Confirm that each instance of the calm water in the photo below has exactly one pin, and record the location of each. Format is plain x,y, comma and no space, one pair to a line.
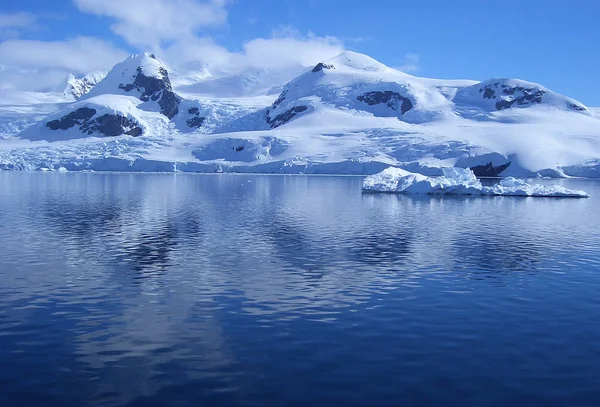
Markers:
224,290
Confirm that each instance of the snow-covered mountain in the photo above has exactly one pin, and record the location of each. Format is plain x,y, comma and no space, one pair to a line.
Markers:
349,114
248,83
135,97
77,87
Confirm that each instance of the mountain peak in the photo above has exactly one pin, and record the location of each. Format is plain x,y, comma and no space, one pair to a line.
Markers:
76,87
144,77
357,61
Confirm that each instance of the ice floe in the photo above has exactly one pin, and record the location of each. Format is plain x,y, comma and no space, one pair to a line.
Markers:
459,181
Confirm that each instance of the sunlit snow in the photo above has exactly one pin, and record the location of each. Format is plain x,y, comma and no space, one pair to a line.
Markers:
459,181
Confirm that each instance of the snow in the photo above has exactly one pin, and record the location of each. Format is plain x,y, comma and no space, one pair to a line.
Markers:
125,106
506,90
125,73
450,124
76,87
459,181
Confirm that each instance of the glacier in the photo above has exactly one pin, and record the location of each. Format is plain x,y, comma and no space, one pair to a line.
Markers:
460,181
347,115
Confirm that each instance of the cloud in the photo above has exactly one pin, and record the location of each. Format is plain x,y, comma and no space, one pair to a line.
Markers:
39,65
170,29
277,52
411,63
13,24
149,23
80,54
17,20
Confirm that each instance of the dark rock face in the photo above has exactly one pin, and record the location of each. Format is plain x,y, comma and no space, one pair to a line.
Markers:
109,125
489,170
576,107
77,117
112,125
489,93
320,66
392,99
155,89
195,119
284,117
525,96
280,99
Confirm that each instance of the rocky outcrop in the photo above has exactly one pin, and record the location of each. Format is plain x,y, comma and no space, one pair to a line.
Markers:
108,125
489,170
507,96
284,117
576,107
280,99
75,118
393,100
195,119
156,88
512,95
320,66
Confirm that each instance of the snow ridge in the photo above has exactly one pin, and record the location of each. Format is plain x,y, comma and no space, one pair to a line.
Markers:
77,87
350,114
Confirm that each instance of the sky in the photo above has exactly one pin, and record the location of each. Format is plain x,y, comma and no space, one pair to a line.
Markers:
551,42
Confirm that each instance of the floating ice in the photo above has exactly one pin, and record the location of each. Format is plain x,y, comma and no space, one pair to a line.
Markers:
459,181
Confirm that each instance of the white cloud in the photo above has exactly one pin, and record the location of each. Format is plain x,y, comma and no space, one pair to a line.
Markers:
411,63
148,23
81,54
272,53
167,27
13,24
16,20
40,65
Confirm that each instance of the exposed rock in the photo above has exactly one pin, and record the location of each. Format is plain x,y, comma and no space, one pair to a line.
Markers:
392,99
109,125
489,93
195,120
577,107
157,89
320,66
489,170
512,95
76,117
284,117
280,99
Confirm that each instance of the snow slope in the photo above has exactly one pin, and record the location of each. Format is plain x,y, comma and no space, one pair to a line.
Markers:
350,114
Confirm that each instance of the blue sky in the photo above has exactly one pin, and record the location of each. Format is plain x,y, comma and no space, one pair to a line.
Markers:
551,42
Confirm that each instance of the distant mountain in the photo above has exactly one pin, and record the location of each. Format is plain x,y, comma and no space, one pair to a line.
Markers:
350,114
502,94
125,102
357,82
77,87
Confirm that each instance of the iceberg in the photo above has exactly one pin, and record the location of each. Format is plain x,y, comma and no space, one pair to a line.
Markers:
459,181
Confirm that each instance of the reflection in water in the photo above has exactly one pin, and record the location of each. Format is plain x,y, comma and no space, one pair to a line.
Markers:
262,290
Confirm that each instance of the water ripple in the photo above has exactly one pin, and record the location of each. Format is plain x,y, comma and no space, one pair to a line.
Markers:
149,289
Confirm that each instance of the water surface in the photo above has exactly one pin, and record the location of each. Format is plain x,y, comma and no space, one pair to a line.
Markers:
233,290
